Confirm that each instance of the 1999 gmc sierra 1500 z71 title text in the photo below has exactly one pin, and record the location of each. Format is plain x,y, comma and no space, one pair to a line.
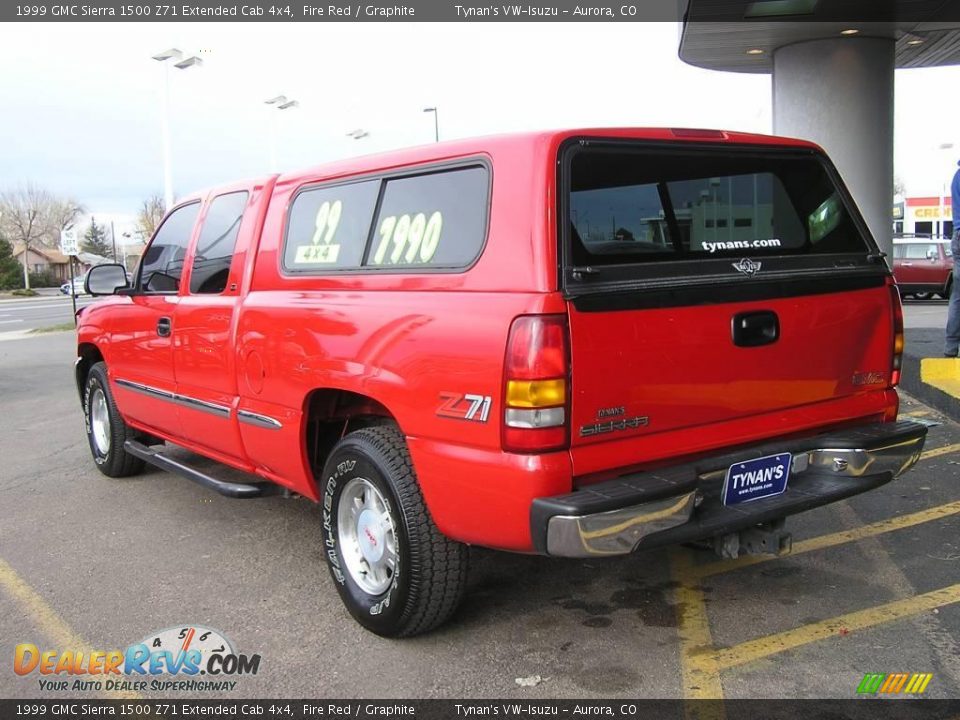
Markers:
579,344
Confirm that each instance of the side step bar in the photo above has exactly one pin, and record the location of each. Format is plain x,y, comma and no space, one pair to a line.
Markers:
240,491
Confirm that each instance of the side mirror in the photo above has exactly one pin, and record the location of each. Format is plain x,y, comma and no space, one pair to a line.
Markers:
932,255
105,279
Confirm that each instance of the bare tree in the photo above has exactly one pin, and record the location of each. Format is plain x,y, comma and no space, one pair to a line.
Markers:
149,216
31,216
899,188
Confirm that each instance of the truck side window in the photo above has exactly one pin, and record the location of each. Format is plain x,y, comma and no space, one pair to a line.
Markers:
437,219
327,227
218,239
162,263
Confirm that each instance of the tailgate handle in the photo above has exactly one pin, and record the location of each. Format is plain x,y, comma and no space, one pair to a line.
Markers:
753,329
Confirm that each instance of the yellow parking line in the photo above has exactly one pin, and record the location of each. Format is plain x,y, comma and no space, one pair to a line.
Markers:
695,637
860,620
46,619
916,413
838,538
937,452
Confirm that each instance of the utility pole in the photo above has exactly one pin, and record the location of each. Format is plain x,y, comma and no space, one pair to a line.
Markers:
113,237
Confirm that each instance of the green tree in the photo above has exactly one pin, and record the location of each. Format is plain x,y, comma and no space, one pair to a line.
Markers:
10,275
95,240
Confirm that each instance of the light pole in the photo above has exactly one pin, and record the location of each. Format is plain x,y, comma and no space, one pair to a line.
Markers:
180,63
436,122
280,102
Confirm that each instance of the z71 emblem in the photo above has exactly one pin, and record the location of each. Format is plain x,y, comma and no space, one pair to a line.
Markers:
461,406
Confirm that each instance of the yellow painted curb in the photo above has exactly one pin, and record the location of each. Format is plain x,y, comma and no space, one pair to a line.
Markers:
942,373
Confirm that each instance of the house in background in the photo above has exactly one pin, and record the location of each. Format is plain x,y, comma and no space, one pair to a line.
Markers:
42,259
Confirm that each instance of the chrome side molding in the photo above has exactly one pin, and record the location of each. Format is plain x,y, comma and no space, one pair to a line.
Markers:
183,400
258,420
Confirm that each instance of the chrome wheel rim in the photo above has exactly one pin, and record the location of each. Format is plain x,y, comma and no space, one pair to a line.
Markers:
367,536
100,421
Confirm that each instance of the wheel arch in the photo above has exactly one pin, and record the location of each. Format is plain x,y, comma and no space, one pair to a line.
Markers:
330,414
87,355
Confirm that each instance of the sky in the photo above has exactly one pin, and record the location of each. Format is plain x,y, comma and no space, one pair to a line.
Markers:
80,104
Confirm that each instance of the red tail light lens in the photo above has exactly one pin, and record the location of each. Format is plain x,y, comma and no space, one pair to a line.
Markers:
898,340
536,385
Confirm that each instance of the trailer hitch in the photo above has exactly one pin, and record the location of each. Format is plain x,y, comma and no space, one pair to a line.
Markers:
765,539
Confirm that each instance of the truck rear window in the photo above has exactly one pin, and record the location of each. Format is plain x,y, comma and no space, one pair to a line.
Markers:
632,205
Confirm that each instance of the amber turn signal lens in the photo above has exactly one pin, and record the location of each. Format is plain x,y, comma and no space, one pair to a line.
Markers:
536,393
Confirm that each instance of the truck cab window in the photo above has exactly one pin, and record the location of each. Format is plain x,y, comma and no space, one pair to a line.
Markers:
162,263
218,239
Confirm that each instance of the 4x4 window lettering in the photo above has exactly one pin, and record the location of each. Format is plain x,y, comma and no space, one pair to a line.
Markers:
327,226
161,265
216,245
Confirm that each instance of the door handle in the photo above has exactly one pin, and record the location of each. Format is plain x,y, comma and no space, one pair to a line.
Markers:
163,327
753,329
908,265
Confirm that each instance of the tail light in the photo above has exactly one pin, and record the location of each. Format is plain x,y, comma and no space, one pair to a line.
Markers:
536,385
897,350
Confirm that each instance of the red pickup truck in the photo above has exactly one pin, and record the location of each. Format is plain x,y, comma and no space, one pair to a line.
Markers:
580,344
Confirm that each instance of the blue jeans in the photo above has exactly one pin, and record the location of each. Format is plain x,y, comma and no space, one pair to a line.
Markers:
952,344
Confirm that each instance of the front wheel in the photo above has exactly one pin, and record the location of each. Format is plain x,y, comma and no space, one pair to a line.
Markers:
106,430
394,570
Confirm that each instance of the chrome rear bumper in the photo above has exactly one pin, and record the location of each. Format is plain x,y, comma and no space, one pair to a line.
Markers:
683,503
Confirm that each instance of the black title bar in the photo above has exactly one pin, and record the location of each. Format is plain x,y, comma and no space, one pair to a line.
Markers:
880,11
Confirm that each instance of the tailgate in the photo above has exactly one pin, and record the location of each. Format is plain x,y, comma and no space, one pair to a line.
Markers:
654,370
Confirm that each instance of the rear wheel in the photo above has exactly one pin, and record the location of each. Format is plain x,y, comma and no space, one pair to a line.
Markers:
394,570
106,430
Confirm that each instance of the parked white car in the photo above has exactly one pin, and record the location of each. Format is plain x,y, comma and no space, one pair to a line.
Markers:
76,285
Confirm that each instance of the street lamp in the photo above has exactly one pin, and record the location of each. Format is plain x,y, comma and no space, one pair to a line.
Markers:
280,102
436,122
180,63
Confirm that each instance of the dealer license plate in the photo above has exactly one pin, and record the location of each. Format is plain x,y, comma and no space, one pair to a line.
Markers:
756,479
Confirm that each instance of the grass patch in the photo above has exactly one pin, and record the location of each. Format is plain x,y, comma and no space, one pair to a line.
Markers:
62,327
20,292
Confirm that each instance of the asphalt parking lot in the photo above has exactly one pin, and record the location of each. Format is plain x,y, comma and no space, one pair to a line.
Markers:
872,586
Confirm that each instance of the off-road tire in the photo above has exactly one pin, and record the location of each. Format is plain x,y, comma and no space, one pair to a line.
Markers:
116,462
431,575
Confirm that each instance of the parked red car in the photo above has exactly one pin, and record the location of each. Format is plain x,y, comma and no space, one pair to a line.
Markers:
579,343
923,267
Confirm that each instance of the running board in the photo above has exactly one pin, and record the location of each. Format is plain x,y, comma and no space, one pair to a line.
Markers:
229,489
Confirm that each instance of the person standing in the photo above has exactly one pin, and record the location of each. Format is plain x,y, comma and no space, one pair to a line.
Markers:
952,344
